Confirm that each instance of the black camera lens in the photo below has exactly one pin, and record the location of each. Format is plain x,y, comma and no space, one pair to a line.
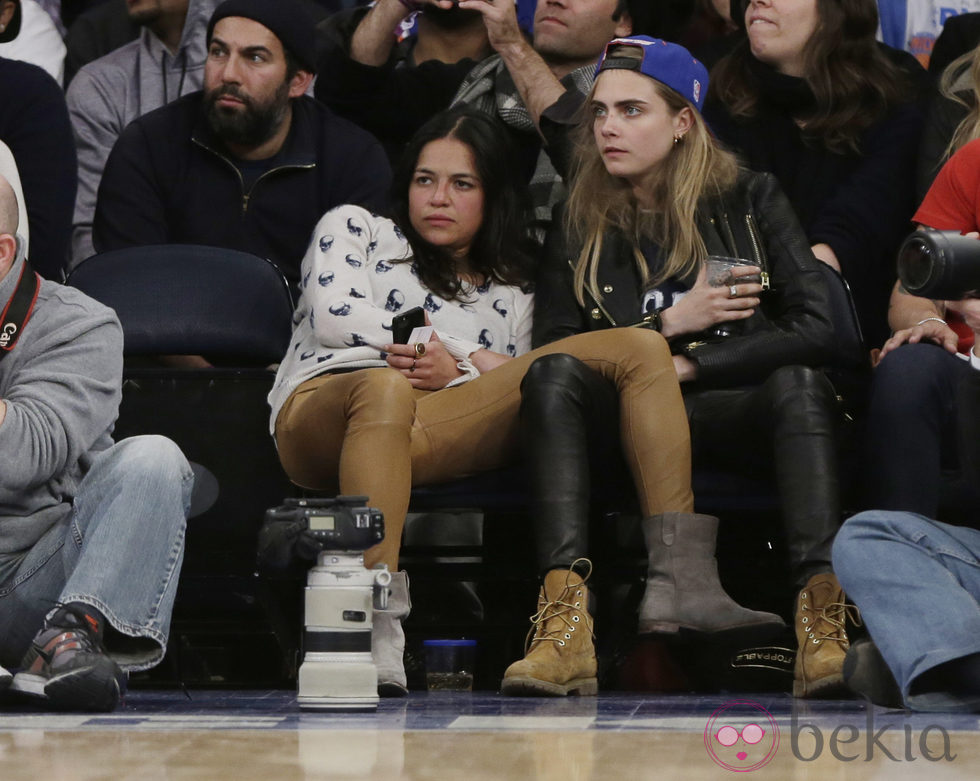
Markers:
915,262
942,265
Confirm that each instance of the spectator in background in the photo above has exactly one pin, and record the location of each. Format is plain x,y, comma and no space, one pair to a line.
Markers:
164,63
914,25
29,34
97,32
436,38
34,124
251,163
811,97
516,84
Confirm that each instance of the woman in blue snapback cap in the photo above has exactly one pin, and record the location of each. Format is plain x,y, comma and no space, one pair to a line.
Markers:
652,198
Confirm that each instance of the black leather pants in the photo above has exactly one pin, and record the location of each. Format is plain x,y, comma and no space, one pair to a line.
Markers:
568,434
786,426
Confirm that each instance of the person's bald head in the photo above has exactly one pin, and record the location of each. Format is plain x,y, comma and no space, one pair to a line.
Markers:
8,227
9,218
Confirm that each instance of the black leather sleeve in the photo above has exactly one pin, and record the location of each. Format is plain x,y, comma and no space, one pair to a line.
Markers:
794,325
556,312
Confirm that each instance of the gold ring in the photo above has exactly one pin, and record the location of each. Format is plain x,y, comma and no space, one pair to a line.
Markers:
733,292
419,349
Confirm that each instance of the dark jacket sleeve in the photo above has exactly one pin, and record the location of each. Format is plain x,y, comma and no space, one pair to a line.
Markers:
558,123
793,324
871,209
392,103
360,173
557,313
35,125
130,209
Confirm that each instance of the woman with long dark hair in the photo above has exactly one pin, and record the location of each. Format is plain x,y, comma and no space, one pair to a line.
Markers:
654,202
353,412
810,96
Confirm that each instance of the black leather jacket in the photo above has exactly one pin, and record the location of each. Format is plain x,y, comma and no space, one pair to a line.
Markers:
754,221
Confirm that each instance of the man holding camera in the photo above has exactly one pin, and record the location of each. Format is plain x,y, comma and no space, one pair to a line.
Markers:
91,532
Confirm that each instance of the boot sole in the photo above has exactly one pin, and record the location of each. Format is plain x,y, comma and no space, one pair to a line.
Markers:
392,689
736,635
533,687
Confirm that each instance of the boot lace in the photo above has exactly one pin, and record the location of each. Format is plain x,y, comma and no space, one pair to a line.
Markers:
564,608
834,616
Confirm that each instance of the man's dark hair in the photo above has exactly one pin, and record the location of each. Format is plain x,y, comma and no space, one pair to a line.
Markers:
501,249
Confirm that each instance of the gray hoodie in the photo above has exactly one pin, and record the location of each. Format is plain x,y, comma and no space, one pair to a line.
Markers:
61,385
109,93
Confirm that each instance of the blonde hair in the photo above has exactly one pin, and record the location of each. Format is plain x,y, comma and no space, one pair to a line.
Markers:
696,167
965,67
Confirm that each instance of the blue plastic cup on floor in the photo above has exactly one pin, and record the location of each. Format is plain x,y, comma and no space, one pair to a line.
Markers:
449,665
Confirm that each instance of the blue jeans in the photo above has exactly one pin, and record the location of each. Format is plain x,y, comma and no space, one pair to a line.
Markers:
917,583
119,550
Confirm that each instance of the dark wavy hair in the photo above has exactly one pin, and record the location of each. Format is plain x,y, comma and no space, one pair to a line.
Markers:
503,246
852,80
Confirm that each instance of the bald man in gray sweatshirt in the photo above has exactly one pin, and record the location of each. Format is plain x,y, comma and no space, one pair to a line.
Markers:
91,532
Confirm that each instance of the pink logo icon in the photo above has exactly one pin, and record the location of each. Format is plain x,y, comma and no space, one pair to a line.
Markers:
741,736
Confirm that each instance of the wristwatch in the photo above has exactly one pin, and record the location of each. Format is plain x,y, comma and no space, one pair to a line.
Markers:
651,320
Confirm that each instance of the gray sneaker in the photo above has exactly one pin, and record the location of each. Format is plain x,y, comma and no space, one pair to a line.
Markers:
67,666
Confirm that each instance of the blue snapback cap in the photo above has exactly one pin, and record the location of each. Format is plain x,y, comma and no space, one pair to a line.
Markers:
668,63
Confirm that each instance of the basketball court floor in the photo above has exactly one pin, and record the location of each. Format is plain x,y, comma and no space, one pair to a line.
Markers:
207,734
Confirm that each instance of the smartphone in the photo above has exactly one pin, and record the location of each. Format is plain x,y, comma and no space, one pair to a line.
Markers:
402,325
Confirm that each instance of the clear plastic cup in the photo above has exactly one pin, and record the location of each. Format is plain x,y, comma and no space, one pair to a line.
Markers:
719,274
449,665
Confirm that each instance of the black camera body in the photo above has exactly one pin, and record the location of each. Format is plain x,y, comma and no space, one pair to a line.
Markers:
941,265
344,523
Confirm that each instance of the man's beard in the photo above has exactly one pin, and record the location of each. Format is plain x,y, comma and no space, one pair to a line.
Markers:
253,124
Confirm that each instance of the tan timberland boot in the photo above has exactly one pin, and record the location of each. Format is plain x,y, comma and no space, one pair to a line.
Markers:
560,658
821,634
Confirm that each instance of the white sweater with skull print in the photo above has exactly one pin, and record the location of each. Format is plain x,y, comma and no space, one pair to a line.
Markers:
350,288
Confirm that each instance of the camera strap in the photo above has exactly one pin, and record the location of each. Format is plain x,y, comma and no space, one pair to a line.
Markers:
18,309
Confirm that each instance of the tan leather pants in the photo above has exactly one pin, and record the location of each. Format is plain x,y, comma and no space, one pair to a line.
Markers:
369,432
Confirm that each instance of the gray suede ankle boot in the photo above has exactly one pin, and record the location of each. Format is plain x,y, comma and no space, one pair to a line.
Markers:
683,590
388,638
